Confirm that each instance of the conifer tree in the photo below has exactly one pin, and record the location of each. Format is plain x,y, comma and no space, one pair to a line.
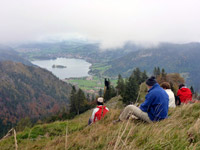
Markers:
158,71
73,100
144,76
163,75
120,85
80,101
131,91
137,75
163,72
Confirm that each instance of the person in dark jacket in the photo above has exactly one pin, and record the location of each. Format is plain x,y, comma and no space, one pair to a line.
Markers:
155,106
184,94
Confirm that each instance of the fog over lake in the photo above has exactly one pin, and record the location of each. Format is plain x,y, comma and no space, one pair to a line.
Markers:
75,67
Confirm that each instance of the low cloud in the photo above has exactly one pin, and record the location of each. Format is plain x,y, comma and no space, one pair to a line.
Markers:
111,22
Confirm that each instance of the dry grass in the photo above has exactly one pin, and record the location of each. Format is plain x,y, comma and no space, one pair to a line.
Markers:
171,133
180,131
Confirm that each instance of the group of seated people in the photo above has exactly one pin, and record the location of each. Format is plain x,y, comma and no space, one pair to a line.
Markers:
184,94
155,107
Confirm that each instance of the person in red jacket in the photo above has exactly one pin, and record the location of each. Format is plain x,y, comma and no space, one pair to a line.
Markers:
184,94
98,113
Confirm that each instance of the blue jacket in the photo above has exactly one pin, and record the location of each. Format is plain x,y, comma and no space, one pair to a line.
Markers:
156,103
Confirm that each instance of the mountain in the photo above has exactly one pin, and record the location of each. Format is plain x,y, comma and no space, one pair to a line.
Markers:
7,53
179,131
76,49
28,91
181,58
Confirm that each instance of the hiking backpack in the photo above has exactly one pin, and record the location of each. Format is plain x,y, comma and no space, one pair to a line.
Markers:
100,113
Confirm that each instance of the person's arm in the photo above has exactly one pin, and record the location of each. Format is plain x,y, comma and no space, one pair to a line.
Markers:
107,108
93,114
148,100
172,100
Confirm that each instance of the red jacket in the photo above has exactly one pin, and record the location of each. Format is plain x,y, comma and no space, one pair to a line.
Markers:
185,95
98,113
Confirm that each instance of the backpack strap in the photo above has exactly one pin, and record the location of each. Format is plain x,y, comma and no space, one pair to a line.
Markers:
102,108
100,113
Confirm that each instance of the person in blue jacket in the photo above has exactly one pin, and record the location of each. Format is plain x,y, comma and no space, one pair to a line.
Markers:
155,106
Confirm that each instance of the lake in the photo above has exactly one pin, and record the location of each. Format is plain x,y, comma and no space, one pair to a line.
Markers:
74,67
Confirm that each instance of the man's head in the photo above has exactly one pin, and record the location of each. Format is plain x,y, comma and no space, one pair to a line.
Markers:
165,85
151,81
100,101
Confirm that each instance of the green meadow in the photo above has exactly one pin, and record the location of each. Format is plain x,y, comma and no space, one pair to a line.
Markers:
95,83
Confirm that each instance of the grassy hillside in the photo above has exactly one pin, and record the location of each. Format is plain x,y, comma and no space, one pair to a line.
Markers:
180,131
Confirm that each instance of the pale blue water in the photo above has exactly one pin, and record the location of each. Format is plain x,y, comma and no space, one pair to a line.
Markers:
75,67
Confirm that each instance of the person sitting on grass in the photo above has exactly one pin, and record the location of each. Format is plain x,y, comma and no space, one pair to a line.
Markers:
166,86
98,112
184,94
154,108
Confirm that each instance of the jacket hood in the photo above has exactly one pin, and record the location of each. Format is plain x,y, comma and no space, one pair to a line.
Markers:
184,89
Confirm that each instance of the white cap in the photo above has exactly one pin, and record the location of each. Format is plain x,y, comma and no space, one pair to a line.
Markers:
100,100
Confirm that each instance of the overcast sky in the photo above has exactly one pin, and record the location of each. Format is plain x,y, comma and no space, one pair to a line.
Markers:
110,21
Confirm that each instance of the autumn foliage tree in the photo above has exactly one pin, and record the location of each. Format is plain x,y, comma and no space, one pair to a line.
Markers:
174,79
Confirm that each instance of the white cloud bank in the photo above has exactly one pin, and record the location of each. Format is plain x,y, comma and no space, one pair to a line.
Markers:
110,21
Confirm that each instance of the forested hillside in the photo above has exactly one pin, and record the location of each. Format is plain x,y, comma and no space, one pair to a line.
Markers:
7,53
180,58
27,91
76,49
